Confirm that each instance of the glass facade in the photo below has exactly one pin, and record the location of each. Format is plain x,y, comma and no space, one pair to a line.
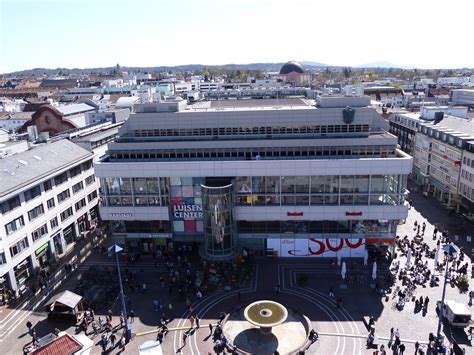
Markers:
220,233
136,191
329,190
321,190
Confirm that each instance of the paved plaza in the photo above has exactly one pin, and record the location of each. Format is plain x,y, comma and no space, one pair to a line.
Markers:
341,330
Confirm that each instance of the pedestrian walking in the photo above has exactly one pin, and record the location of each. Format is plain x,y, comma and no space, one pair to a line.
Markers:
122,342
391,337
121,320
401,349
132,316
94,328
382,350
221,317
109,316
210,329
29,325
197,321
160,337
396,344
191,320
417,346
112,340
338,301
331,293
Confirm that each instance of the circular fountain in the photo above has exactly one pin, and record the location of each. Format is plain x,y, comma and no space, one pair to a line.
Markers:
265,314
265,326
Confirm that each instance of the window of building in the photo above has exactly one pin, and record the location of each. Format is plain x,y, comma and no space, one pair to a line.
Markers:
35,212
92,196
77,187
80,204
19,247
32,193
58,180
11,204
54,223
38,233
14,225
48,185
90,180
66,214
87,165
3,260
64,195
75,171
50,203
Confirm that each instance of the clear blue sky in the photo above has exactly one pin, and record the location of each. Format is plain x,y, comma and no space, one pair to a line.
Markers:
95,33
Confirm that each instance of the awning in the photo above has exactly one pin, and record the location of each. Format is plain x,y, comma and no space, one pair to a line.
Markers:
66,298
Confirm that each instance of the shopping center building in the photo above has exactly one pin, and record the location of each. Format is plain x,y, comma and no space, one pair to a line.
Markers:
292,177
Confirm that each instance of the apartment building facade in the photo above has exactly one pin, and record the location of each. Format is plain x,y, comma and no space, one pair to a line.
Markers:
48,197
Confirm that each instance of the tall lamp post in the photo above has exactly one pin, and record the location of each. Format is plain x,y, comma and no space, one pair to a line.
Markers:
451,250
116,249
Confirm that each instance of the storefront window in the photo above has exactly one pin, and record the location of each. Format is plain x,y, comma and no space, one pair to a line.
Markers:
140,186
23,271
69,234
112,186
272,184
153,185
125,186
243,184
317,184
331,184
361,183
347,184
258,184
377,183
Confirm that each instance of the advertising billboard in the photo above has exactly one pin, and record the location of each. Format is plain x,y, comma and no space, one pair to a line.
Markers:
186,204
312,247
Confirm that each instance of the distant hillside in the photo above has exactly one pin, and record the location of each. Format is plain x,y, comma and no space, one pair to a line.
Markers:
178,68
382,64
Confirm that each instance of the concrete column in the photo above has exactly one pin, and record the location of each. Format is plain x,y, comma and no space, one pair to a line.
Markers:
52,247
12,280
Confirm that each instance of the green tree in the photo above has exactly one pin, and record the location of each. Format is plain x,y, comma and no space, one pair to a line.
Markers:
347,73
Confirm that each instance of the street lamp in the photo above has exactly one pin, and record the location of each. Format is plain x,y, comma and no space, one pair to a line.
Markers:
116,249
451,250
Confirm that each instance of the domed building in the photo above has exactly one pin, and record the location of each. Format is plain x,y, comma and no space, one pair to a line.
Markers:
293,73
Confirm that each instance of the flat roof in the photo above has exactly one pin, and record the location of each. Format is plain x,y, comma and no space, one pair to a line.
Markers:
250,104
16,115
97,136
453,124
45,160
74,109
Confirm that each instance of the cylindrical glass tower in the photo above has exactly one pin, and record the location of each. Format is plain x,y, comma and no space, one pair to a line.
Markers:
220,238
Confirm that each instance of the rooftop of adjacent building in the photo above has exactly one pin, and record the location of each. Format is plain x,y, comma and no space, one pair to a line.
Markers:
39,161
16,115
452,125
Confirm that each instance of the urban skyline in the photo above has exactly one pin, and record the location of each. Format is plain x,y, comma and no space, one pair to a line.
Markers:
90,34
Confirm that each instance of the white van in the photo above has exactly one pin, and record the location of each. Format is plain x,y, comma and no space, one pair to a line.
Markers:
457,314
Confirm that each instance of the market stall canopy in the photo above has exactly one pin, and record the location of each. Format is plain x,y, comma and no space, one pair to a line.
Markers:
65,298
